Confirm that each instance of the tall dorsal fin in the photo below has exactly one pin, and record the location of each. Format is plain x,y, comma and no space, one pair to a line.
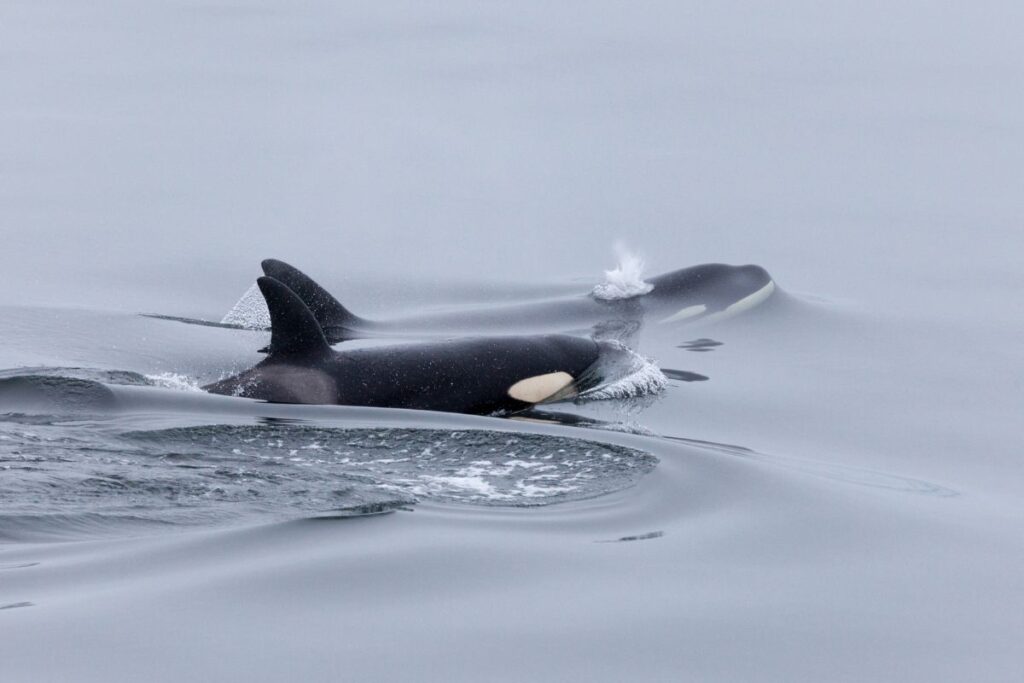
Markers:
293,329
325,308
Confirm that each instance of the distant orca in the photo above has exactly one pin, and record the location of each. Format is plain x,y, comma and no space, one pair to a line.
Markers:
708,291
705,292
485,375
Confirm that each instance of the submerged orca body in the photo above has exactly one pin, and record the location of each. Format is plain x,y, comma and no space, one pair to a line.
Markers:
709,291
483,375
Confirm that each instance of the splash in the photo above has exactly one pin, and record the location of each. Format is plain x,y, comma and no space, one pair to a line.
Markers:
628,375
250,311
173,380
625,281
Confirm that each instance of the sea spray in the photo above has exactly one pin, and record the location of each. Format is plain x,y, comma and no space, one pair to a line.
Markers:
625,281
626,374
174,380
250,312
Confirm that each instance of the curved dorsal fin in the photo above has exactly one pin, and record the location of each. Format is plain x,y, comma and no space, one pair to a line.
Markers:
293,329
325,308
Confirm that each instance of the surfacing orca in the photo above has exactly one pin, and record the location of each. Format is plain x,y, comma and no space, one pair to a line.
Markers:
709,291
484,375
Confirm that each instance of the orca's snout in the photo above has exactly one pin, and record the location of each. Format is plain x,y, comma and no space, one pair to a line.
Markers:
752,276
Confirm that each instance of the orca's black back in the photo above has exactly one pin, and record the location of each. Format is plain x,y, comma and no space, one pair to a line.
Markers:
715,285
468,375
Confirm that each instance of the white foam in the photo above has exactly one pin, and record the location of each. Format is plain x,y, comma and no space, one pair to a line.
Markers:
472,483
172,380
626,280
629,374
250,311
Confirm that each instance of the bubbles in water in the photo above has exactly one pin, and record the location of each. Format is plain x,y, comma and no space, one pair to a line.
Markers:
250,311
205,473
625,281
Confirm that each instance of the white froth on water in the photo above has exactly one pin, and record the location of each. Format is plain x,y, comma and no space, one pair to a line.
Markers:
629,375
173,380
250,311
625,281
474,483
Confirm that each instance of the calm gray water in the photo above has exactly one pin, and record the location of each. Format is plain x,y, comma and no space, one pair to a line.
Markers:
839,500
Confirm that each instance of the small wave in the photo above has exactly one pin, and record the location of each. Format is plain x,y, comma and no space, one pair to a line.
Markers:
53,395
249,312
120,377
58,391
625,281
42,527
626,375
573,420
859,476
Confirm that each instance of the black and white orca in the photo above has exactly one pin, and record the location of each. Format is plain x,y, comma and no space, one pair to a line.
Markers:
478,375
707,292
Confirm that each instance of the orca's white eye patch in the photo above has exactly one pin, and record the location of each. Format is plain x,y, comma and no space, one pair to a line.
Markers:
540,387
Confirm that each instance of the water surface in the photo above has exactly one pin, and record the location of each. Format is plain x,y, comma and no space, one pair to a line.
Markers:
828,488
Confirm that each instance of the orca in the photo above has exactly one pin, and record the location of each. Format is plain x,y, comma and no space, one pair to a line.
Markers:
489,375
709,292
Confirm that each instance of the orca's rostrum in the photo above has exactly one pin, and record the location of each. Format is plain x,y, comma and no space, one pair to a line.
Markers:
476,375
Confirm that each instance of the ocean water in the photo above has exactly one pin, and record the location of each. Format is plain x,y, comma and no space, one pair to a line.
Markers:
825,487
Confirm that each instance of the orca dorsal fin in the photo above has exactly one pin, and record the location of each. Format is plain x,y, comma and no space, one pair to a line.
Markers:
293,329
325,308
